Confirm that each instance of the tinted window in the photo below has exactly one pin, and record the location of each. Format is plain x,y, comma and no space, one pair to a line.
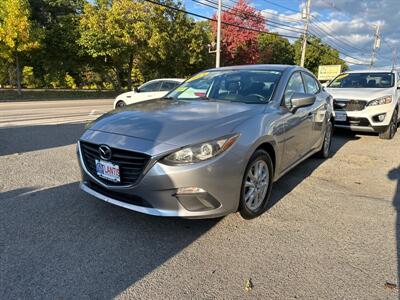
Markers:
311,84
150,87
169,85
295,85
249,86
363,80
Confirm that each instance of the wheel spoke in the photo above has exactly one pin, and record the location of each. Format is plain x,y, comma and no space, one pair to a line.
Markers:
256,184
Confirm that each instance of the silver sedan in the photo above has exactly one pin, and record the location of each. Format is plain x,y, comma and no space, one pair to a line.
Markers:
212,146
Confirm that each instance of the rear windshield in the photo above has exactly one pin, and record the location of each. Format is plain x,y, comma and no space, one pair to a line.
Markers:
363,80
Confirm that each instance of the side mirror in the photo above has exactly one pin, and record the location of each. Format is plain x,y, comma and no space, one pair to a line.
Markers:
136,89
301,100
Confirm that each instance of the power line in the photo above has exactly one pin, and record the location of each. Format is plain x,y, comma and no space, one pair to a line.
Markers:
242,27
281,6
251,16
223,22
290,19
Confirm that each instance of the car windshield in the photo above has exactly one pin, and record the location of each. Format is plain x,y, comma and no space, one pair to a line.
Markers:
363,80
247,86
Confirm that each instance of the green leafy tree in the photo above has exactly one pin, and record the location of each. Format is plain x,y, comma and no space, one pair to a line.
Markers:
59,53
275,50
18,34
317,53
118,32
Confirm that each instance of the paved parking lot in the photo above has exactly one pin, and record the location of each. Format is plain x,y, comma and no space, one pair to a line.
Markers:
332,230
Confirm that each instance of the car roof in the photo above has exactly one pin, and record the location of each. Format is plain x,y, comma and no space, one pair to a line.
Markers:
259,67
372,71
171,79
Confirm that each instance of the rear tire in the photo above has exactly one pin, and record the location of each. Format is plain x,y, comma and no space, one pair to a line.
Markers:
120,104
390,131
326,145
256,185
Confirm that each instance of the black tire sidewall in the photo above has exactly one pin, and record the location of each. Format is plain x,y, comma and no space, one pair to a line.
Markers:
119,104
245,212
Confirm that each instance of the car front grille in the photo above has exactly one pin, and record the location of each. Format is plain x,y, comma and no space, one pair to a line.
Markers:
352,121
349,105
131,164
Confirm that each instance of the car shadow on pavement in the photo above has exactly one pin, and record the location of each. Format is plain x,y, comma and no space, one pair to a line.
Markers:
294,177
394,175
38,137
62,243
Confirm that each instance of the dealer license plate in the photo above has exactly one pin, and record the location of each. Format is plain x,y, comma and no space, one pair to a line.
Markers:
107,170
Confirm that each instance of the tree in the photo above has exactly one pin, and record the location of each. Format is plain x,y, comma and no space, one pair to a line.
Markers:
275,50
18,34
317,53
59,53
117,31
138,41
240,45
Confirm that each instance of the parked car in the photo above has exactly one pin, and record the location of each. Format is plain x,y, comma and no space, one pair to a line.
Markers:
212,146
152,89
367,101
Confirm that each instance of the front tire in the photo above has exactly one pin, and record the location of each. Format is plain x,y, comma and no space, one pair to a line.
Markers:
256,185
391,130
120,104
326,145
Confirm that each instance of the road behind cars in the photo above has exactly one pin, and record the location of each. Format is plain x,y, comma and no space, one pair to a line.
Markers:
330,232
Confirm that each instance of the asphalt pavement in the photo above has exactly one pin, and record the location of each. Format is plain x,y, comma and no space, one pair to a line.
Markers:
332,230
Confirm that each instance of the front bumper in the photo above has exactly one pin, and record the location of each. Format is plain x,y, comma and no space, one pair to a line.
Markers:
157,192
366,120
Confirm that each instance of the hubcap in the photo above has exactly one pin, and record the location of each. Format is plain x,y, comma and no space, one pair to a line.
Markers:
256,184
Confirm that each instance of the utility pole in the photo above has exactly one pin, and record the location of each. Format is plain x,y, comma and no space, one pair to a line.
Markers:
376,46
218,51
306,15
394,58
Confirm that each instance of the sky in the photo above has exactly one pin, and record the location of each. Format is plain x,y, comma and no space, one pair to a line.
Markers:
348,25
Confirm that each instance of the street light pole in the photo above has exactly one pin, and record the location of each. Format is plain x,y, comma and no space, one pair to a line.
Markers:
218,51
306,25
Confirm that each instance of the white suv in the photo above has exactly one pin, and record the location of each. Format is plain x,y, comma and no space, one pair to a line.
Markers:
150,90
367,101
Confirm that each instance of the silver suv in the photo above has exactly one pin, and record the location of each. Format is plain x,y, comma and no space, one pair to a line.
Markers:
212,146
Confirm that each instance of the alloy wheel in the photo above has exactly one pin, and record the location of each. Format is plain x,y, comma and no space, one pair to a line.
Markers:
256,185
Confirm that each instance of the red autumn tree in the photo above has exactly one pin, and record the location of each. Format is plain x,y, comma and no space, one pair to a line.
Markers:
240,45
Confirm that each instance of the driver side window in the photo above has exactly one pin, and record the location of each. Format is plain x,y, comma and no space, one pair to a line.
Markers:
295,85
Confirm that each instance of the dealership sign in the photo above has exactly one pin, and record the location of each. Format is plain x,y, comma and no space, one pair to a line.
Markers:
328,72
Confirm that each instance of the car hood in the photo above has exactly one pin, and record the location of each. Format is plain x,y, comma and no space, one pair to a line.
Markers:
359,93
175,122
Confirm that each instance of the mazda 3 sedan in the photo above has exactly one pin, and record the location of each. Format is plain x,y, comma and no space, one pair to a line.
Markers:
212,146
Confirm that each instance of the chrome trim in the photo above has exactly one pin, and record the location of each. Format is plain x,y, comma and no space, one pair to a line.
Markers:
149,165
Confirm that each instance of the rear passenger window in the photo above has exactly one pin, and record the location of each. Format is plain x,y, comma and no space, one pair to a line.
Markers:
168,85
311,84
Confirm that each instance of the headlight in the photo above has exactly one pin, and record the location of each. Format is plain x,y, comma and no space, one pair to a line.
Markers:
380,101
200,152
